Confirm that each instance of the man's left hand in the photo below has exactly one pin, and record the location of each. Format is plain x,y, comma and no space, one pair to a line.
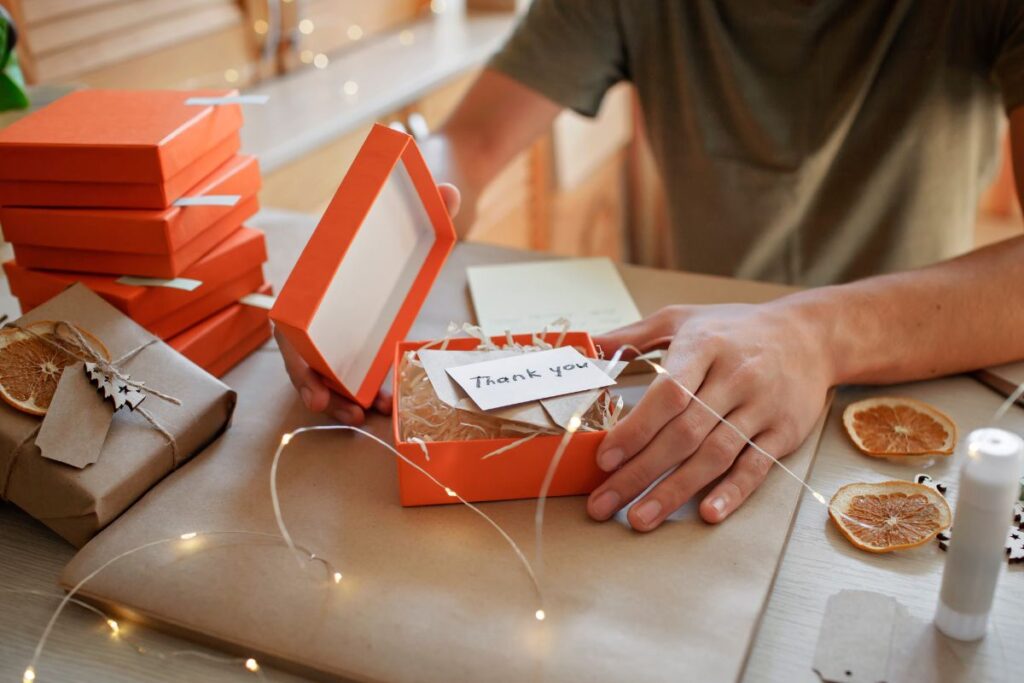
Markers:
765,367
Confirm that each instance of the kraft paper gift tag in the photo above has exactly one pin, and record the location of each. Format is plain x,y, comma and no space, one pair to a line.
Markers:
436,364
79,419
562,408
76,503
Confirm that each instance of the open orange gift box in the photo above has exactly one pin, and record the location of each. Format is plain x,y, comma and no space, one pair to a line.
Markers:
149,243
353,296
228,272
112,148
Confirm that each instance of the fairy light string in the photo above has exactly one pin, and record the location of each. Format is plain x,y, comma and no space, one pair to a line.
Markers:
304,556
118,633
286,535
30,673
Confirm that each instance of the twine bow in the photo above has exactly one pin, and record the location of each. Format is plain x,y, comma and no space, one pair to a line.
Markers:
79,347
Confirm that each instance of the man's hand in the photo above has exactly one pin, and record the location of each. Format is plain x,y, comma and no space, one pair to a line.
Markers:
766,368
311,386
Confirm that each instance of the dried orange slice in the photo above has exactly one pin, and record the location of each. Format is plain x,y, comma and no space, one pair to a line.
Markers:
899,426
890,515
30,368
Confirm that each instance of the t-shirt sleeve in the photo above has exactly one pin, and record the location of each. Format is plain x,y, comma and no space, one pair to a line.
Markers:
1008,66
570,51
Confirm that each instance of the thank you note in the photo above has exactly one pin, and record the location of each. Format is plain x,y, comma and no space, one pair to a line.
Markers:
529,377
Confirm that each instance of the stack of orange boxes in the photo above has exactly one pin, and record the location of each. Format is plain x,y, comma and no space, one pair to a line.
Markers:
141,196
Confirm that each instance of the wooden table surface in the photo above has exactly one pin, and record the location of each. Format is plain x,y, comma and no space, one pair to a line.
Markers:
817,562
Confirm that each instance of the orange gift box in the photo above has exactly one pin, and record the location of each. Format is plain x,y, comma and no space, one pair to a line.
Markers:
364,274
239,351
225,338
228,272
116,136
517,474
158,195
130,242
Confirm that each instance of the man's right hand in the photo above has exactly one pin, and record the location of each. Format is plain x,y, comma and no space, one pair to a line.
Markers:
314,391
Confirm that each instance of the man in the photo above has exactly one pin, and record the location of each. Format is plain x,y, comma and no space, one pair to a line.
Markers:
802,141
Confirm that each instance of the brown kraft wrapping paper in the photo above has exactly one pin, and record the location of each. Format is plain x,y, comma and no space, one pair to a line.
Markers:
433,593
76,503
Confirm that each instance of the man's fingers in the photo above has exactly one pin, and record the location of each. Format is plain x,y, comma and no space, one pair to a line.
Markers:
345,411
452,198
746,475
663,401
383,402
714,457
312,389
679,439
652,332
315,393
676,442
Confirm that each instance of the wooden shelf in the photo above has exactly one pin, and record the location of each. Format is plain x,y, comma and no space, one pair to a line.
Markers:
310,108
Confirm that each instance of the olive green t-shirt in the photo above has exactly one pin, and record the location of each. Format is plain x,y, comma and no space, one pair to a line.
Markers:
800,141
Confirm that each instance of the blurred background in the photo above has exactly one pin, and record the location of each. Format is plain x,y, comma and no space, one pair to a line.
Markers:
333,67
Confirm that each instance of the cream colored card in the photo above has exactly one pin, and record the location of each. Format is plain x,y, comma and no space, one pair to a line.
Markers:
526,297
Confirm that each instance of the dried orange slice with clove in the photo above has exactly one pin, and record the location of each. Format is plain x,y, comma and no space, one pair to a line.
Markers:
899,426
30,368
890,515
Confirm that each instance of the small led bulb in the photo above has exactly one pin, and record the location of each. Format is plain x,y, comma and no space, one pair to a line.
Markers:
337,577
114,626
540,615
29,675
189,536
252,665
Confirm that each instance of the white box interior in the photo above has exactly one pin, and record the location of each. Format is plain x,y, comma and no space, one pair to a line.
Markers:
374,278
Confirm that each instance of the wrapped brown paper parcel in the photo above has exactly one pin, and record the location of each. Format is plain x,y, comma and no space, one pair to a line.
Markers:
77,502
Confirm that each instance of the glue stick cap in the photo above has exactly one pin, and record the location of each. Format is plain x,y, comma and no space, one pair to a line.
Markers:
988,487
994,455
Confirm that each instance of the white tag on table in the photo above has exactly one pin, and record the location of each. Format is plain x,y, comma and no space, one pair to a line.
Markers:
529,377
209,200
227,99
257,300
182,283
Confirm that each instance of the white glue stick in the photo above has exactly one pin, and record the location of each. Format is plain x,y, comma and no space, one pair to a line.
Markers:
988,488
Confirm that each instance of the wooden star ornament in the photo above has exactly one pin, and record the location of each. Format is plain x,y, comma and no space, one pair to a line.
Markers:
114,388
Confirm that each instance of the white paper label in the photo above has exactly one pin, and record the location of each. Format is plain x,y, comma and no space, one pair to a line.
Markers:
529,377
228,99
183,283
257,300
209,200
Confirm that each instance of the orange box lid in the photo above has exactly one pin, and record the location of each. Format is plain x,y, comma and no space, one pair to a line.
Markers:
366,271
130,195
137,231
115,136
241,252
119,263
176,321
